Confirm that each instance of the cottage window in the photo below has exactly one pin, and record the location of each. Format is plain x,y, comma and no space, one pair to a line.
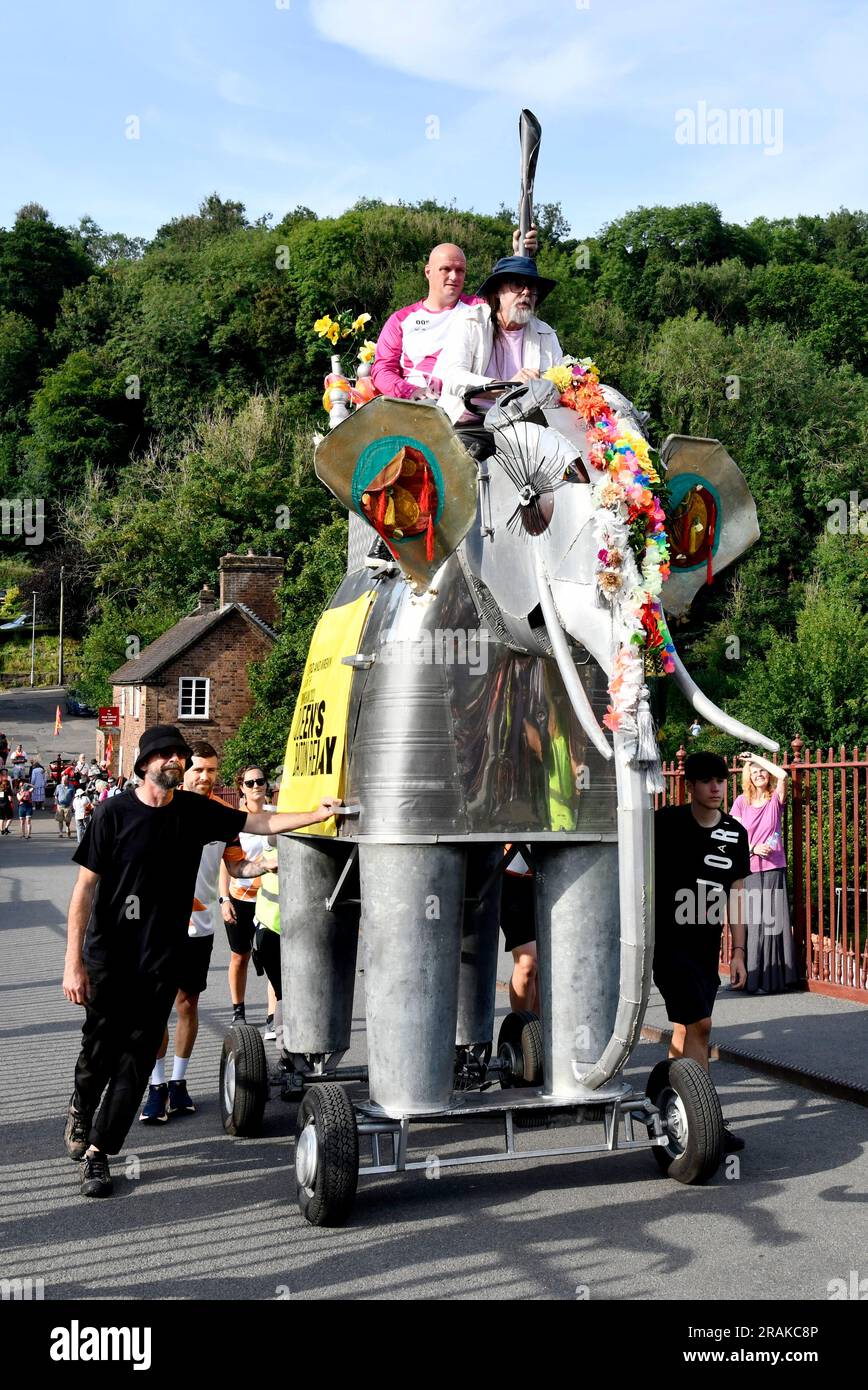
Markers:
194,694
137,702
123,703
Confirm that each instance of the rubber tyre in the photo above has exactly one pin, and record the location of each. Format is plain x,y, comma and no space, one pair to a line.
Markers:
522,1032
243,1047
697,1158
330,1200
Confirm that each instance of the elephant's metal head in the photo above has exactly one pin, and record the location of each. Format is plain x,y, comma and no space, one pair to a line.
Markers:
525,523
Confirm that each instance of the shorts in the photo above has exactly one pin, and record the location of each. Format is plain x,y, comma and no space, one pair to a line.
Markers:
193,962
63,816
517,917
240,932
24,811
687,975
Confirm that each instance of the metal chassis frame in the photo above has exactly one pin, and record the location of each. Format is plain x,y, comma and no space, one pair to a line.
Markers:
398,1130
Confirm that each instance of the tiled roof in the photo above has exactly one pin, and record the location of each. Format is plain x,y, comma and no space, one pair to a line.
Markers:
177,639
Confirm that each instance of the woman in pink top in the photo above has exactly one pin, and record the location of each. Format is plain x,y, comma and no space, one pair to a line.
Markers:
771,951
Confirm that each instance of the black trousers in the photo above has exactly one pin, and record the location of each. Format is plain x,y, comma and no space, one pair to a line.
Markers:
268,951
123,1028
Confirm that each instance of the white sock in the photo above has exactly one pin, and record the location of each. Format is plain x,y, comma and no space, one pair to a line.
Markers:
179,1068
158,1075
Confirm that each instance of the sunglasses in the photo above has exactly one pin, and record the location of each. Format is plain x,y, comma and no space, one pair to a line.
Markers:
255,782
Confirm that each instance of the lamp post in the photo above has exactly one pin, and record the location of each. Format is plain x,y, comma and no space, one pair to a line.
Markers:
33,643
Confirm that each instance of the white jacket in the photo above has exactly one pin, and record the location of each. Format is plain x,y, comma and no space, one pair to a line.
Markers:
467,350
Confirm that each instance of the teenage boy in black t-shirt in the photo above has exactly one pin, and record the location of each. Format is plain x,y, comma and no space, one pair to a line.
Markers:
132,899
701,857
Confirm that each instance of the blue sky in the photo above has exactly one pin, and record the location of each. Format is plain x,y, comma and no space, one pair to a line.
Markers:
280,102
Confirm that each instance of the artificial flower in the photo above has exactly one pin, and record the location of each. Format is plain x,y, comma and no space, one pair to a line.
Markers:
367,350
359,323
333,332
322,326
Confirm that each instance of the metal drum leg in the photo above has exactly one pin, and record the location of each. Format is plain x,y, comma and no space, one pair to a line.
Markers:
578,941
477,979
317,948
412,908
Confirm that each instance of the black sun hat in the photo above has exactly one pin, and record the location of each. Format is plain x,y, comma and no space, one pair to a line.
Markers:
511,268
161,736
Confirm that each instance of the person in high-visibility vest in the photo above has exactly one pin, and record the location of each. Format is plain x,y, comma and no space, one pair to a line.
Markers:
266,920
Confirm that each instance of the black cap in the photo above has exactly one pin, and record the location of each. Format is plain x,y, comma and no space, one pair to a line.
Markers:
161,736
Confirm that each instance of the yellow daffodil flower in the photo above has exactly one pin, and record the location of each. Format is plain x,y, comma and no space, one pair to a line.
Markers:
322,326
561,376
359,323
367,351
333,332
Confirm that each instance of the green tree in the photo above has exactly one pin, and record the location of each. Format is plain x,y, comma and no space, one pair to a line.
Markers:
80,420
38,261
19,365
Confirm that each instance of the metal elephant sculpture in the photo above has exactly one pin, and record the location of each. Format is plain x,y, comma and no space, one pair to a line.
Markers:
475,719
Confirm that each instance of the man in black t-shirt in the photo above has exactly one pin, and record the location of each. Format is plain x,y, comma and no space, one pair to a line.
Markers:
701,857
128,920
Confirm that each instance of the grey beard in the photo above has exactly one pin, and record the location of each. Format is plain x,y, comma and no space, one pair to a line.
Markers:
522,316
168,778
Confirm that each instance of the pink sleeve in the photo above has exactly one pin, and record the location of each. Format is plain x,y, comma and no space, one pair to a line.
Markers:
737,808
386,371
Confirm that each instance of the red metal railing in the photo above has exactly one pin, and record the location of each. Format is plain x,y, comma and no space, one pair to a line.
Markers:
826,837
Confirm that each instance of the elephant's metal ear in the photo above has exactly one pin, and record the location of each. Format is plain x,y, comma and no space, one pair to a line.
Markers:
714,516
400,467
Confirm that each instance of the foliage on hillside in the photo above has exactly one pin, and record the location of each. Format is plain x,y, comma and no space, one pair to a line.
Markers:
161,398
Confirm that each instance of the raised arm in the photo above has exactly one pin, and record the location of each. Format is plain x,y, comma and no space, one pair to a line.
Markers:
276,822
773,769
76,985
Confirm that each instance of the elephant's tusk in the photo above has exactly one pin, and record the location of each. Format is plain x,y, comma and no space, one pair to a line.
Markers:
709,710
561,652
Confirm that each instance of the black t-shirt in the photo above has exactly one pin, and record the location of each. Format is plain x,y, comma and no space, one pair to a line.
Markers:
695,867
147,858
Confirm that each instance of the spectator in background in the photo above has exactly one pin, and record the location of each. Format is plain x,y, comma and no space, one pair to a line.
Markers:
771,950
37,781
18,766
165,1099
238,895
82,808
64,794
25,809
7,802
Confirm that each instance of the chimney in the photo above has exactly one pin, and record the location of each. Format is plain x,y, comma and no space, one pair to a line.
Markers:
207,601
252,580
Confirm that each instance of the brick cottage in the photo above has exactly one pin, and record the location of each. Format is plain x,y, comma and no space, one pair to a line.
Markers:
195,675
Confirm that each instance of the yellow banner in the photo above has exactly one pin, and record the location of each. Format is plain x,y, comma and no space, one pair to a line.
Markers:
314,763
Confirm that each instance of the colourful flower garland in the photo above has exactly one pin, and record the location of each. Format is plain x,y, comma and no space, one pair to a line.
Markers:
633,560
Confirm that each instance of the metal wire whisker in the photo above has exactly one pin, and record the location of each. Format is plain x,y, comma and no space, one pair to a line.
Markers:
532,472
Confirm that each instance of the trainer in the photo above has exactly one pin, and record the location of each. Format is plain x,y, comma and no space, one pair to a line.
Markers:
128,920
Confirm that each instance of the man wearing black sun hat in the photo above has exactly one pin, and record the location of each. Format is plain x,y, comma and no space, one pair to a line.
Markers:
499,340
128,919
